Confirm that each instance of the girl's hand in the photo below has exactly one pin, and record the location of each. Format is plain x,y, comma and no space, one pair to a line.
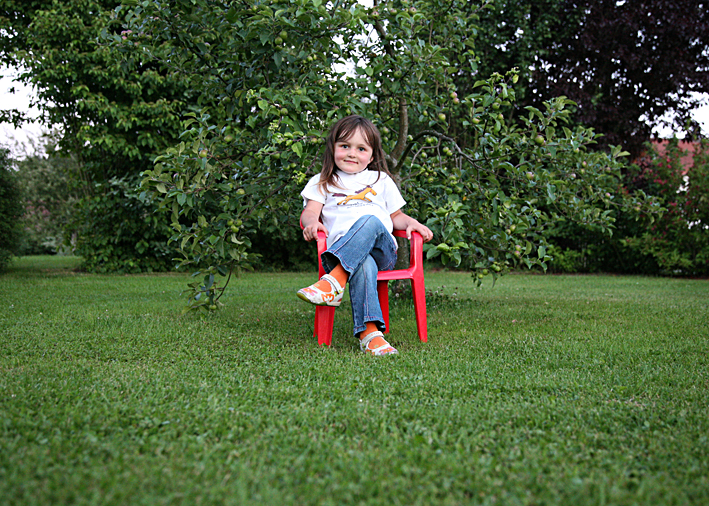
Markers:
404,222
310,233
421,229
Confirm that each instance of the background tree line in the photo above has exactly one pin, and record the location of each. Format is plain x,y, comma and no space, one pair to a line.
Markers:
234,97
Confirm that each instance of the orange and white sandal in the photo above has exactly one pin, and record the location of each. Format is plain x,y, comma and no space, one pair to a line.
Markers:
316,296
384,349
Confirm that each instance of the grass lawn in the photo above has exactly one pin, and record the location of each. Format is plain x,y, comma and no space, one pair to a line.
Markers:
544,390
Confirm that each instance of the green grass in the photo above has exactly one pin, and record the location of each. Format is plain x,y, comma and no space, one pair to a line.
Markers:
543,390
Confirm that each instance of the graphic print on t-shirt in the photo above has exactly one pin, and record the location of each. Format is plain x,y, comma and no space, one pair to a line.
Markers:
359,195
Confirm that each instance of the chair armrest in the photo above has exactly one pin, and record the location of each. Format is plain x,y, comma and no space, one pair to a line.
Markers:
416,246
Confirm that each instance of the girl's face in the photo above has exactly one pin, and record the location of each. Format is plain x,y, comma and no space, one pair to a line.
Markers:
354,154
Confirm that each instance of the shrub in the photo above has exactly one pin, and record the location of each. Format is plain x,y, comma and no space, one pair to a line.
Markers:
10,210
675,243
45,179
576,249
119,230
679,240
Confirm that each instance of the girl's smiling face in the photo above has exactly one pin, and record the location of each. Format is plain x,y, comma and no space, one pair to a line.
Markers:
354,154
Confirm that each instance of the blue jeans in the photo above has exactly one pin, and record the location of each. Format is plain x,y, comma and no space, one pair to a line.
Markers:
363,251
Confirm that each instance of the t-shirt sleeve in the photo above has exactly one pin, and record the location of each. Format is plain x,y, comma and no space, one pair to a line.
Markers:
394,200
312,191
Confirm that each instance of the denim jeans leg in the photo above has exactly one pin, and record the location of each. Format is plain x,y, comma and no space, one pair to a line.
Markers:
366,249
364,297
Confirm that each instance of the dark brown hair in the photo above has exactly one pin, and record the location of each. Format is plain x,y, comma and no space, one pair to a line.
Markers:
342,131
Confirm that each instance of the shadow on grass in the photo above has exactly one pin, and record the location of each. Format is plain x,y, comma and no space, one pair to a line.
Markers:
44,264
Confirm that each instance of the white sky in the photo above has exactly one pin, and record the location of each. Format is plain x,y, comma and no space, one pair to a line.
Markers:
9,136
19,140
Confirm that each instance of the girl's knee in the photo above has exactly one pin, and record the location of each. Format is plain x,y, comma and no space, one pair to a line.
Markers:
366,220
369,224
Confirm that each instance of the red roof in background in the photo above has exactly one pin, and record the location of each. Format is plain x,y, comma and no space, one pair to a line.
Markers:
688,147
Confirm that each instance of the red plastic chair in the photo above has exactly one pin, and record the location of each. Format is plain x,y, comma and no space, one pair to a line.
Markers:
325,315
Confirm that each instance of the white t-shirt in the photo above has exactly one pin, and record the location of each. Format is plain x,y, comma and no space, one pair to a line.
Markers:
360,195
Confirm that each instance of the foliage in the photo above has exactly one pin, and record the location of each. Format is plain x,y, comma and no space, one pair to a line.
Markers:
10,209
679,240
578,250
519,34
552,390
114,114
270,78
497,211
122,110
109,223
266,79
626,64
45,178
676,243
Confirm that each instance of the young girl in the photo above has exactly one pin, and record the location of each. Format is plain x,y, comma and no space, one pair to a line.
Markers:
359,205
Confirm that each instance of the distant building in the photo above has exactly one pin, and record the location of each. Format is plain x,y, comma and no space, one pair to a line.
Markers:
688,147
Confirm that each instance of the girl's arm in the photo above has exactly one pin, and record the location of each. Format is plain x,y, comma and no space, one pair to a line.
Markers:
404,222
310,220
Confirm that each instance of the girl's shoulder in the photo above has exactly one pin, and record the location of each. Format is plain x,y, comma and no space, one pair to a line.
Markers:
313,180
313,183
312,190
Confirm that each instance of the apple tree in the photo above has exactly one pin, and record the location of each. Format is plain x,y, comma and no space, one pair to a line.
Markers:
270,78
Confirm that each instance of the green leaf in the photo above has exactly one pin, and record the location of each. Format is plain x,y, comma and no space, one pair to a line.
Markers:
551,192
297,148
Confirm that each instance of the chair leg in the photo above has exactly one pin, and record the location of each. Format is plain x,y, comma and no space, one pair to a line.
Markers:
419,293
383,292
324,323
